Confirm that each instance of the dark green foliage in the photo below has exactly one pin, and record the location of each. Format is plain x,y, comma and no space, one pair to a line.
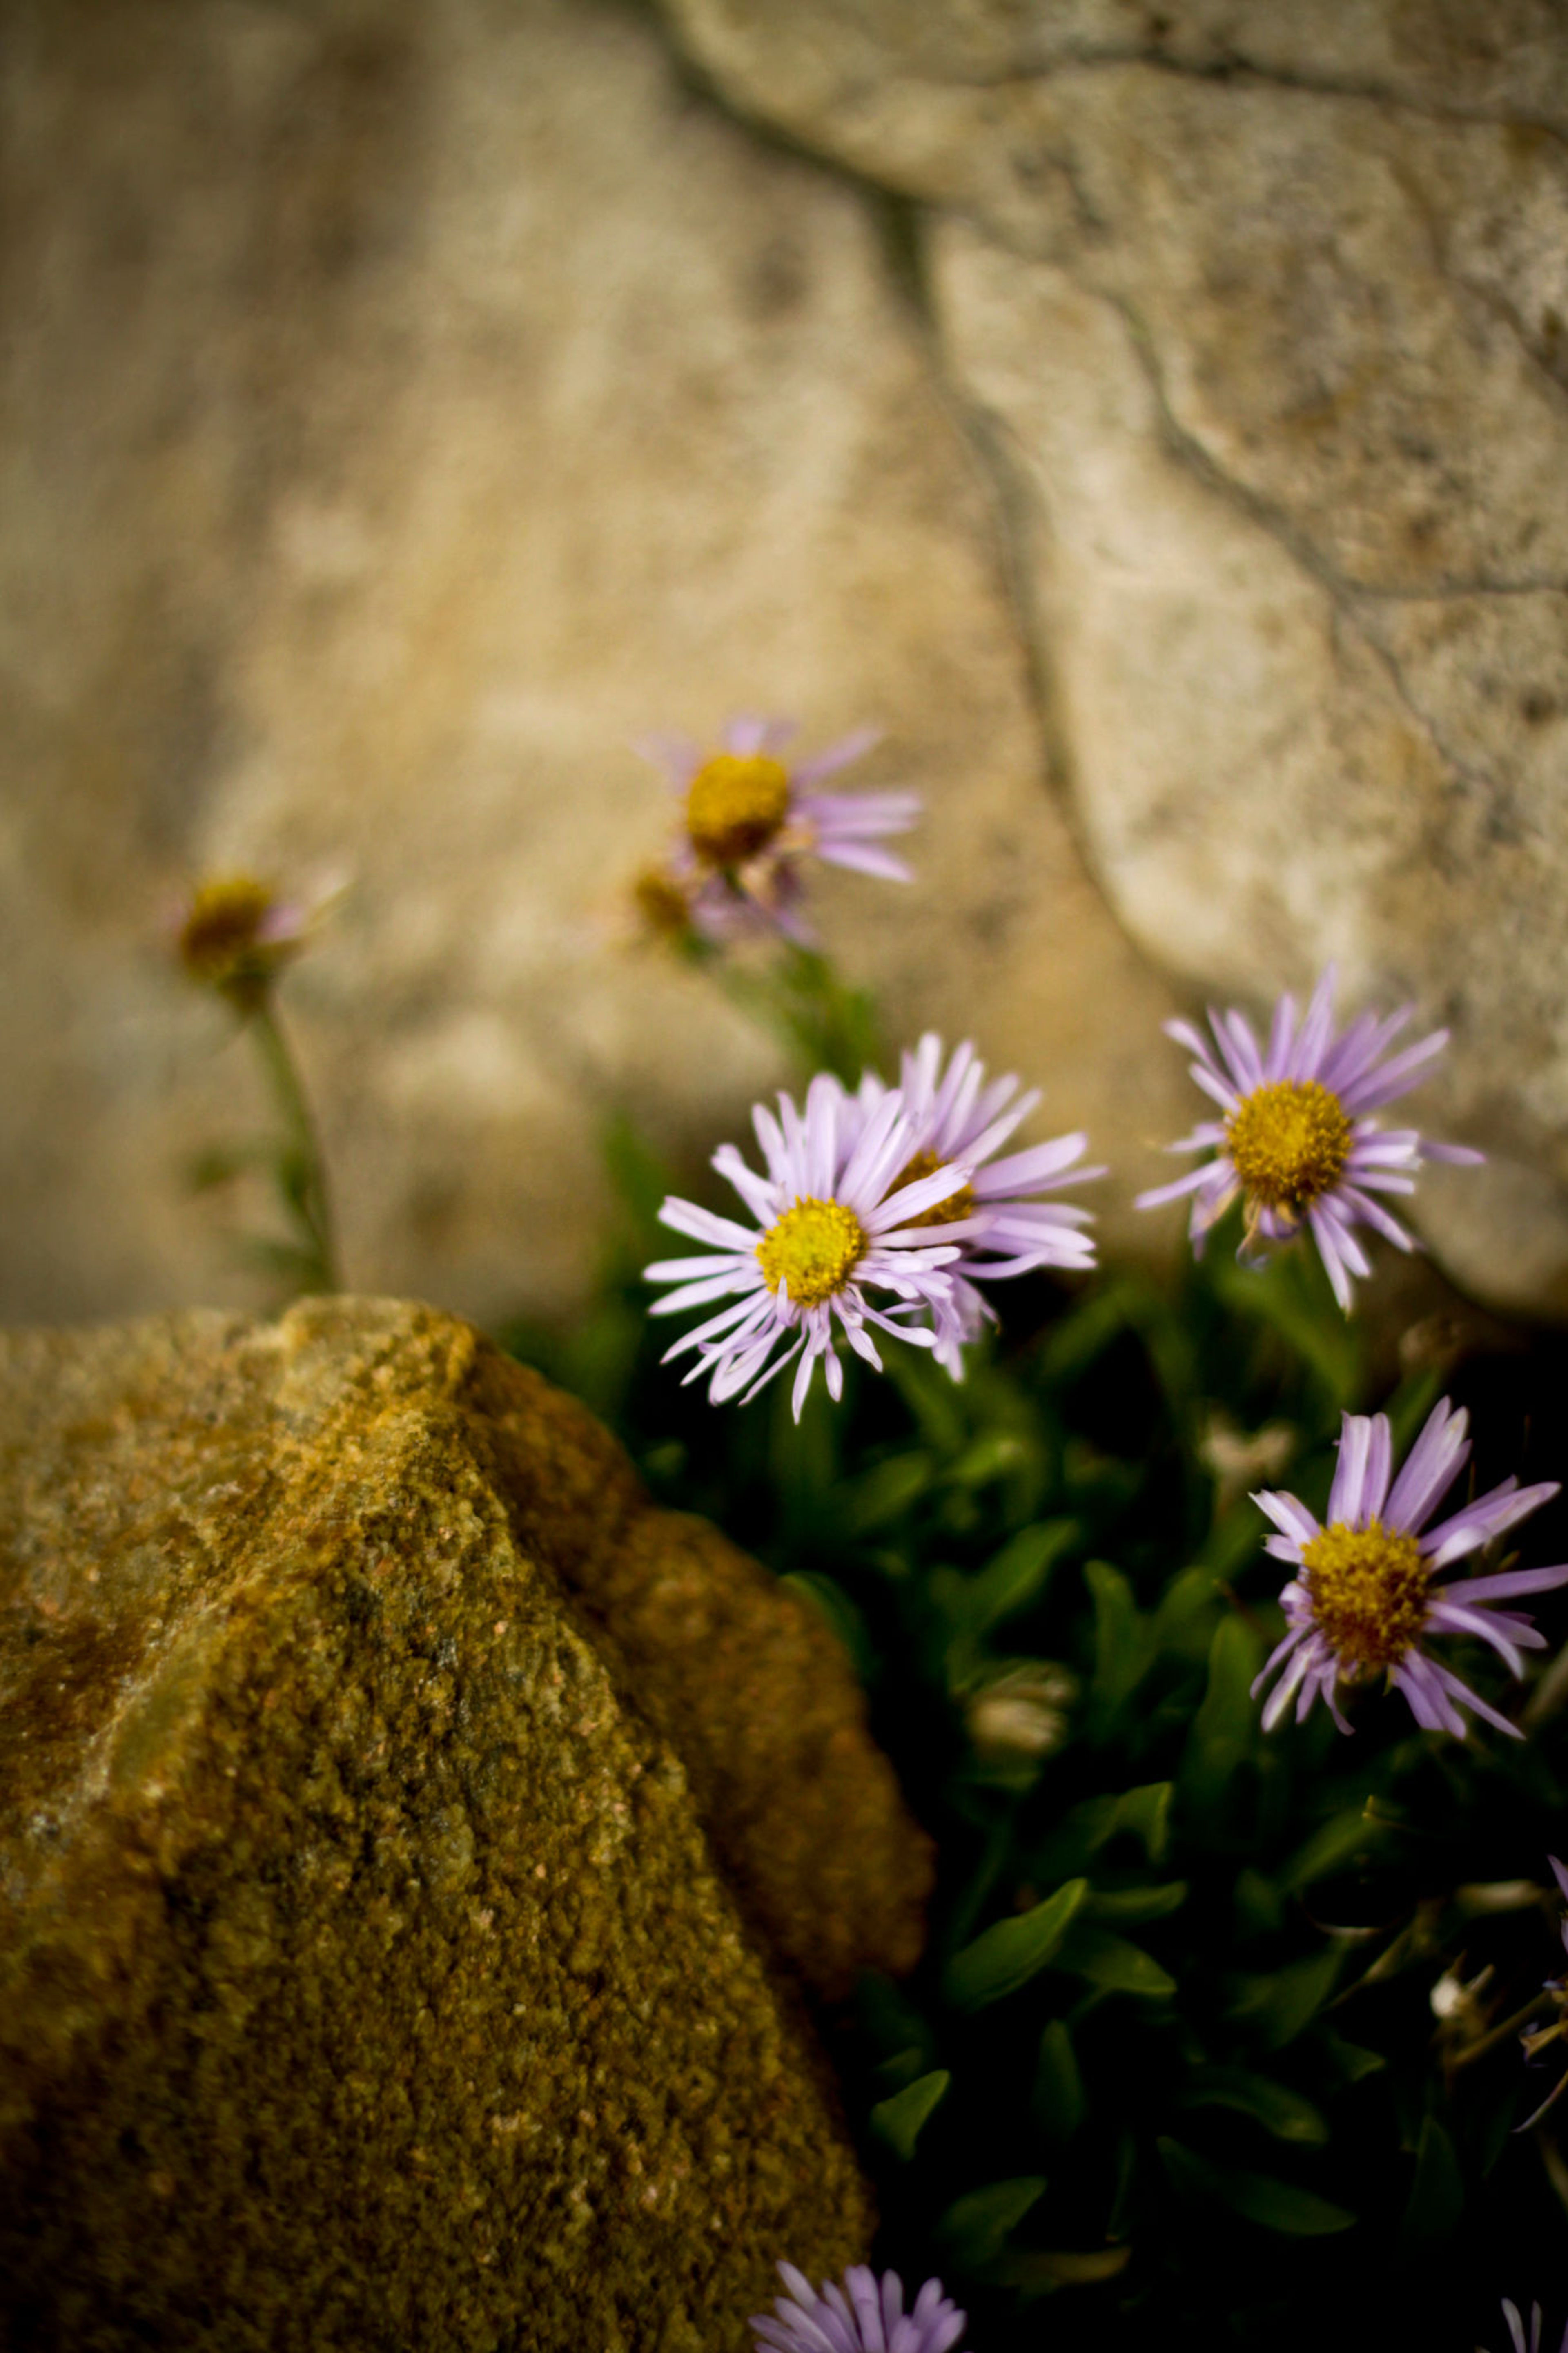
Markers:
1172,2059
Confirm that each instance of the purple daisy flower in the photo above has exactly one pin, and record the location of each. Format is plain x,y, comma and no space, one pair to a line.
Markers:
833,1222
1365,1594
234,933
749,818
864,2315
1297,1137
955,1117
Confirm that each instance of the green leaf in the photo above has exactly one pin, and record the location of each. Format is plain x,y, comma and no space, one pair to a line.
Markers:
1345,1839
897,2121
1277,2006
975,2227
886,1493
1274,2205
1280,2111
1144,1812
901,2068
1122,1650
988,1458
1437,2202
888,2018
1128,1907
1347,2062
1060,2103
1260,1906
1015,1578
1113,1964
1084,1334
1184,1622
1038,2271
1006,1956
1225,1725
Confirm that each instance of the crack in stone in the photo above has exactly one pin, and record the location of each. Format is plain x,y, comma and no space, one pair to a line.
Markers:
1345,598
989,440
1234,70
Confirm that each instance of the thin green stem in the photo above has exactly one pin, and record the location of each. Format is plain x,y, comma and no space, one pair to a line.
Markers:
828,1025
300,1171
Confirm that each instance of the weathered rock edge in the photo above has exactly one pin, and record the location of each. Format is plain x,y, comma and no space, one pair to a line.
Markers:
367,1975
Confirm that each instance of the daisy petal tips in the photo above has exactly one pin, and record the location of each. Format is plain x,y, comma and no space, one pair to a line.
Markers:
1000,1225
1297,1136
860,2313
1366,1596
750,816
834,1216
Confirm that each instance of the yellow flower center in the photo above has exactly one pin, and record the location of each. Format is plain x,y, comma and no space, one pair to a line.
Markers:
812,1251
735,805
1289,1142
1369,1591
219,942
957,1206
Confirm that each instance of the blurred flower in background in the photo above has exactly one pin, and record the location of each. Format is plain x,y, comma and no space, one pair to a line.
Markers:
235,934
749,818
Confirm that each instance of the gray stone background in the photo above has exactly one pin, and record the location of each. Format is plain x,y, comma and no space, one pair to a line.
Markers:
1157,417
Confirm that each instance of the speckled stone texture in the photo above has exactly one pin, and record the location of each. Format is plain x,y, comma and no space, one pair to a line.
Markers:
410,1842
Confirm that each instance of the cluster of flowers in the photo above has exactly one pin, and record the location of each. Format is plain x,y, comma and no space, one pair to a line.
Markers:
889,1208
855,1187
895,1191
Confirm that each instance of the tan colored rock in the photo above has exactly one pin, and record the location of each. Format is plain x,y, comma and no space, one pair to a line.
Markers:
403,408
1264,310
374,1966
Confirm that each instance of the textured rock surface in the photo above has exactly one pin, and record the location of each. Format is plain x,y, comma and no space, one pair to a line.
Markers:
366,1976
1264,310
401,408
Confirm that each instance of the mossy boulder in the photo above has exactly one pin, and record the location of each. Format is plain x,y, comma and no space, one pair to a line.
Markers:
412,1846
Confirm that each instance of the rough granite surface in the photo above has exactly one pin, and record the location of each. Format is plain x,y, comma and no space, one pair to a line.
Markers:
1260,317
369,1973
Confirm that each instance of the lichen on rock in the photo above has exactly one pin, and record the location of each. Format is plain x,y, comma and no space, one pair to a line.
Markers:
394,1948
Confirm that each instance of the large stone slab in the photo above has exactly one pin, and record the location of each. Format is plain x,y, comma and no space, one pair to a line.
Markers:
403,406
409,1841
1260,312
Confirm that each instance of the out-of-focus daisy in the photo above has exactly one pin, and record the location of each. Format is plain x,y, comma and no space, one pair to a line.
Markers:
1001,1230
863,2314
832,1225
235,934
1296,1137
1366,1596
749,817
